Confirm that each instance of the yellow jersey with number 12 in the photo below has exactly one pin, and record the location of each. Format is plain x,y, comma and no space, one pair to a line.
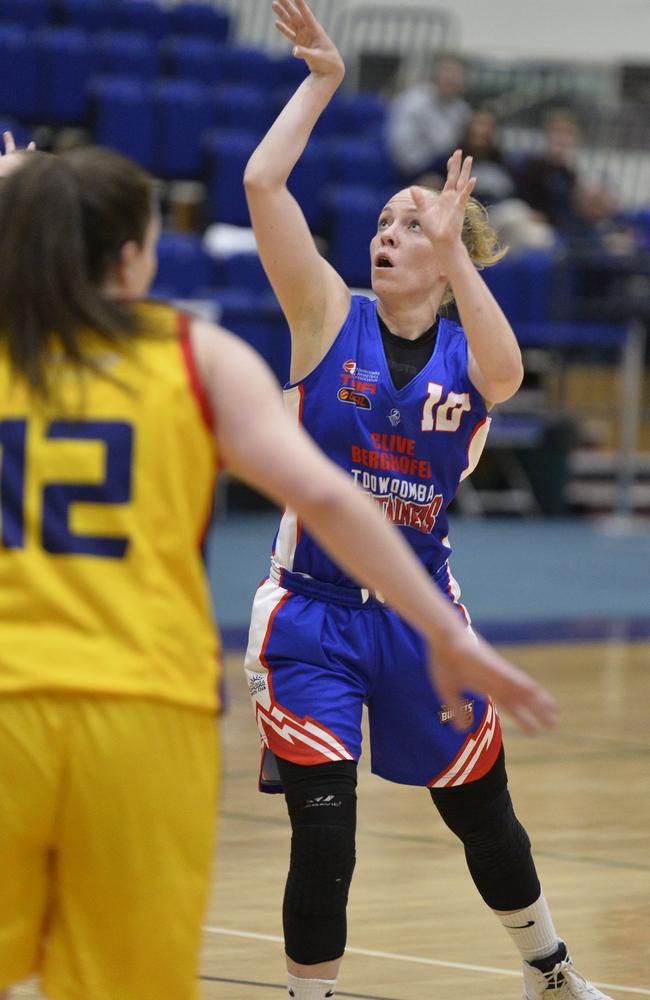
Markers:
105,495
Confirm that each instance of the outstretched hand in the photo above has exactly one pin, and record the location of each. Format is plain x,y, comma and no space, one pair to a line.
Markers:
441,215
10,159
310,40
462,661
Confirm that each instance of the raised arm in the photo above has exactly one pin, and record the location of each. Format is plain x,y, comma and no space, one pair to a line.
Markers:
262,445
313,297
495,365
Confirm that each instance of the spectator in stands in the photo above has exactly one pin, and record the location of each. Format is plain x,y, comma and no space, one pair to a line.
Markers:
494,178
548,182
583,212
426,121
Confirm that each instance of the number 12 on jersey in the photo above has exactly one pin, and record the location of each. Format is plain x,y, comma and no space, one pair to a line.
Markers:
57,497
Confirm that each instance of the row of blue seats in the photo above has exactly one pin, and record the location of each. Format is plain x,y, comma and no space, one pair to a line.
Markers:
256,317
44,75
154,19
179,129
525,284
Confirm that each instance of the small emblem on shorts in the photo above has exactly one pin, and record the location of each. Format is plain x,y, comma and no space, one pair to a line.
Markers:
446,713
394,416
256,683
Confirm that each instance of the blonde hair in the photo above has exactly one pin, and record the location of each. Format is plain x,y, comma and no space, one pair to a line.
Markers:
481,240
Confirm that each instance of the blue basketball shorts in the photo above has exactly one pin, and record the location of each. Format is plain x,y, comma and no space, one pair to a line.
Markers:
317,653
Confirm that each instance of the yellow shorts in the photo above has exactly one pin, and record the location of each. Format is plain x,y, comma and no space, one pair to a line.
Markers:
107,817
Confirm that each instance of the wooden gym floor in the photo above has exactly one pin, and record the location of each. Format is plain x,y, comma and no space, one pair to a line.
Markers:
417,928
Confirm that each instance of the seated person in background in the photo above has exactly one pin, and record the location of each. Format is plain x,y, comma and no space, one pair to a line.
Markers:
547,182
494,178
426,121
583,212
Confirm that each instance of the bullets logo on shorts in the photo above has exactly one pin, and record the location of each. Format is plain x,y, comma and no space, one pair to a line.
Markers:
445,713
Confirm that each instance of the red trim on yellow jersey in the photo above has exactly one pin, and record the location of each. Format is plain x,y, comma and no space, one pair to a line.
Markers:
196,385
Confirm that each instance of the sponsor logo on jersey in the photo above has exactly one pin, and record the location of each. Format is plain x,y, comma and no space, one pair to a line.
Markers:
348,395
445,713
350,367
394,416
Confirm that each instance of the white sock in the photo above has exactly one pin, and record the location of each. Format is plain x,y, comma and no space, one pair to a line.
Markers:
310,989
531,930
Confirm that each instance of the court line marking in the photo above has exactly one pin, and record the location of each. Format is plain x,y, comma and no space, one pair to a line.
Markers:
416,959
283,986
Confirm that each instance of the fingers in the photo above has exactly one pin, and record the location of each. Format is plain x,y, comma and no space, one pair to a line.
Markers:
419,197
459,173
465,172
289,20
307,14
453,170
10,145
286,30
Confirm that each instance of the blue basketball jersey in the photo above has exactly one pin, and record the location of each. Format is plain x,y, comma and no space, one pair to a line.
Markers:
407,448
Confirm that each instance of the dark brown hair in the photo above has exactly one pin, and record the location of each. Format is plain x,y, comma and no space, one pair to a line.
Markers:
63,222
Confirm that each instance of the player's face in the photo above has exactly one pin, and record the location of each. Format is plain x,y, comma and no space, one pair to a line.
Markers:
402,257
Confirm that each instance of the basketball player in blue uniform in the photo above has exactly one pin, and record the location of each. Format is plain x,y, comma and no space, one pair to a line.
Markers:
399,397
109,660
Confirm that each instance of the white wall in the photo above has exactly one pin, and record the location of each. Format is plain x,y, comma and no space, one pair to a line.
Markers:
585,30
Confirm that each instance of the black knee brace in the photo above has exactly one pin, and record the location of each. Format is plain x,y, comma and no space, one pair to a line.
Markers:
321,800
496,845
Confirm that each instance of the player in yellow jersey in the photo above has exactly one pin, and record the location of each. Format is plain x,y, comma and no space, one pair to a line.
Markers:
114,419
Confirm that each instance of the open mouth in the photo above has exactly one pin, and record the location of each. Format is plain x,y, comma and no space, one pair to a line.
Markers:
381,260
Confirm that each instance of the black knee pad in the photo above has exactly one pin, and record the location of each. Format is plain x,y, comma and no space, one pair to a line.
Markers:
497,847
321,800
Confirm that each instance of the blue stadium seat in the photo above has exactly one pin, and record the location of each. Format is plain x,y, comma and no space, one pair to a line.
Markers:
146,16
362,114
227,153
66,62
243,64
183,264
200,19
308,181
184,110
291,72
27,13
194,58
89,15
127,53
256,318
20,134
243,270
245,108
123,117
18,73
522,284
359,162
353,216
329,124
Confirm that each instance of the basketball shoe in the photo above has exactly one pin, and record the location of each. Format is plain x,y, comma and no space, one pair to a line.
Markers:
555,978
